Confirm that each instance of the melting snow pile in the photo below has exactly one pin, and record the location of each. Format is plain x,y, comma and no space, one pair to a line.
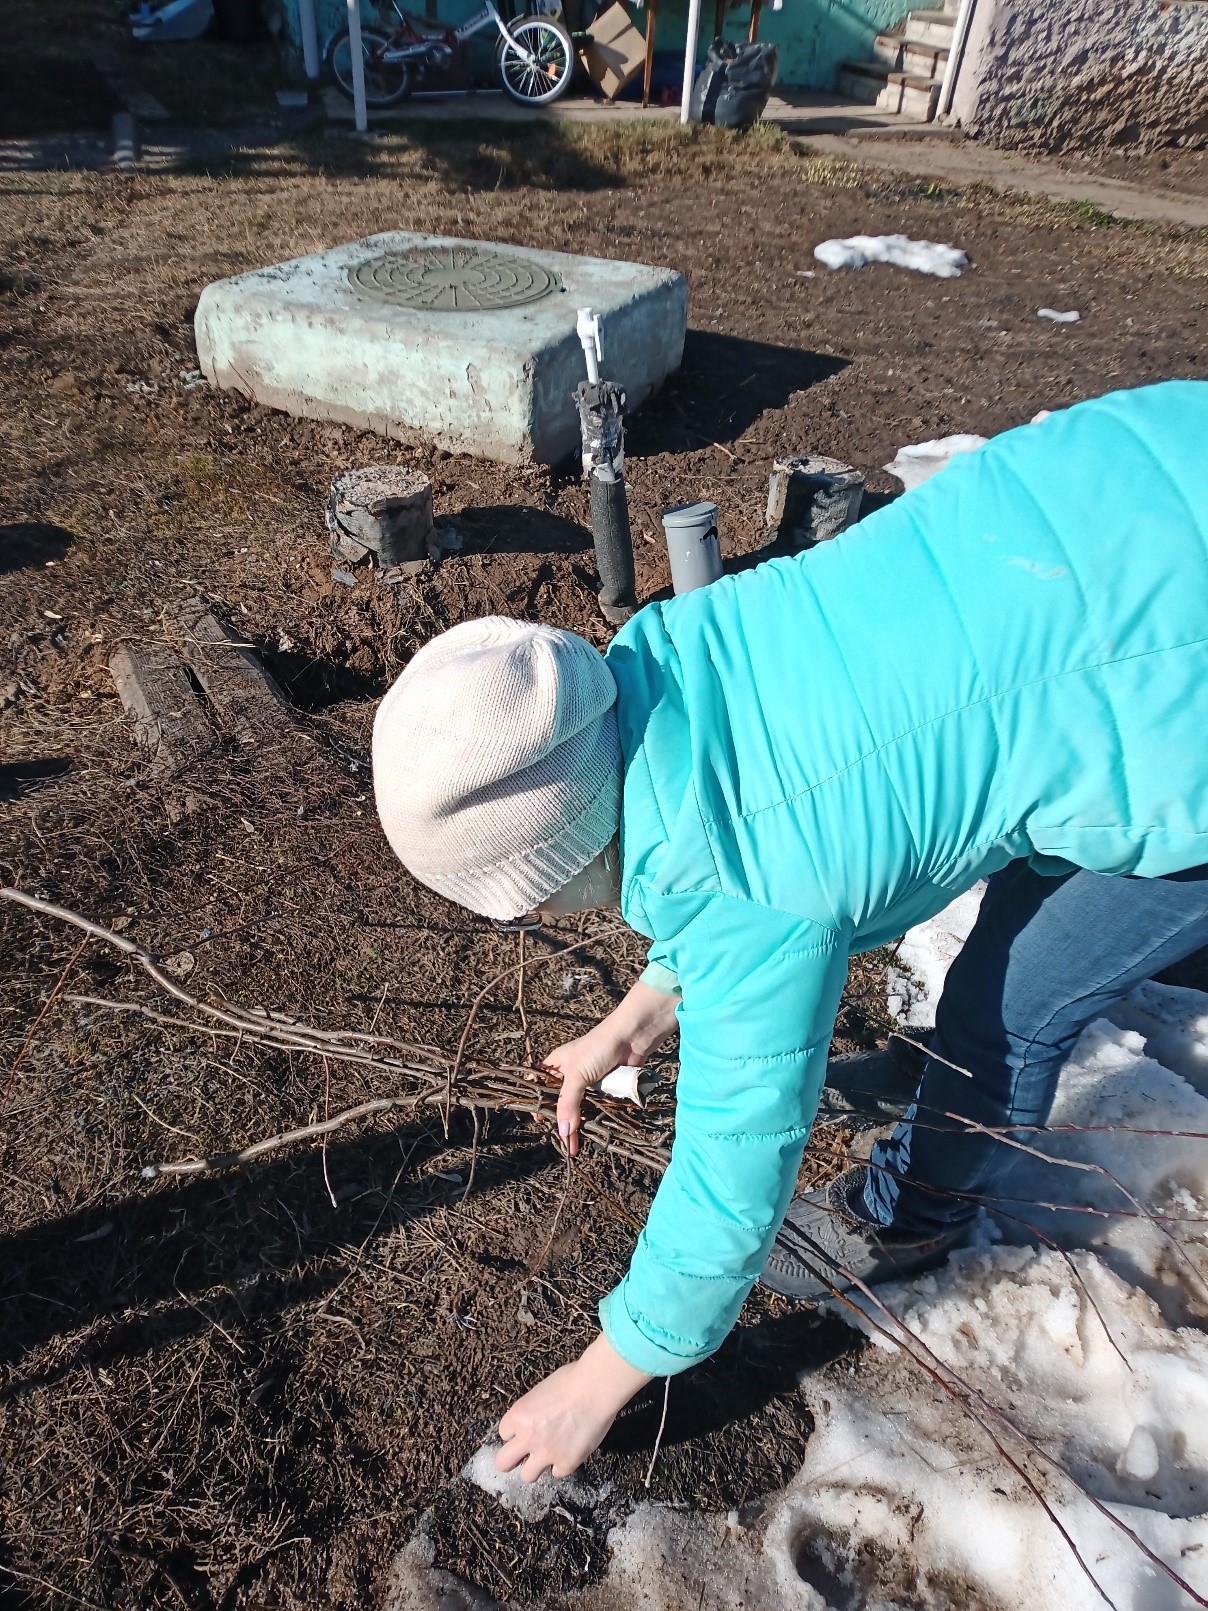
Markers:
924,957
1093,1348
925,257
919,461
530,1500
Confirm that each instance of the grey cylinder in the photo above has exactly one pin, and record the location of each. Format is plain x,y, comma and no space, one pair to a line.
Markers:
614,544
810,500
693,544
383,510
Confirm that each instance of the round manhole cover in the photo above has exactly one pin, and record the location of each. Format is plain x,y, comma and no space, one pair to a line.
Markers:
453,279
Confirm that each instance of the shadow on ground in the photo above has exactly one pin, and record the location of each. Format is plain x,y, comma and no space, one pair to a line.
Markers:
756,1365
483,156
24,544
19,778
49,93
513,529
220,1250
723,386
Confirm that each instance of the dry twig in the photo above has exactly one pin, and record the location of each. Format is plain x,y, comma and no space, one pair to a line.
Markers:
565,950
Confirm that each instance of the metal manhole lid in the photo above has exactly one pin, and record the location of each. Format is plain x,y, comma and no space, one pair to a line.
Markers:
453,279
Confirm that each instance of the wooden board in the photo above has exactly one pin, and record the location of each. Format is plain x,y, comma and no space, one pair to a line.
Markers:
169,722
247,702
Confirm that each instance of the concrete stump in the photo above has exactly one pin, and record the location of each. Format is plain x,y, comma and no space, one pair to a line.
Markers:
810,499
384,511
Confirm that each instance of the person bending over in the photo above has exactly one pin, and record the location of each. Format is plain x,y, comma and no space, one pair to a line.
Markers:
1002,675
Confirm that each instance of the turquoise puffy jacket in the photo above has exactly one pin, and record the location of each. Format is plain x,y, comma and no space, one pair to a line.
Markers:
1010,661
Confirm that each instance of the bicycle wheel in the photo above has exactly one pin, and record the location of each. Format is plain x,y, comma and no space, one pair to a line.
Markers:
386,83
539,70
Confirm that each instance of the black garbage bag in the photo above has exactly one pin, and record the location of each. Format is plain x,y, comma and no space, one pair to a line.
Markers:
732,88
708,86
749,80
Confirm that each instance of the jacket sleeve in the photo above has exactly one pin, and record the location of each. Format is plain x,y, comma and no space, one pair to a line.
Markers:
760,993
658,973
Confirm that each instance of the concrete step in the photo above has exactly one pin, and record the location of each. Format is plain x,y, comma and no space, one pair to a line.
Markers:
907,55
874,84
932,27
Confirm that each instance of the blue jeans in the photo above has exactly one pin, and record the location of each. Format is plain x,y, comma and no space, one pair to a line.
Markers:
1045,957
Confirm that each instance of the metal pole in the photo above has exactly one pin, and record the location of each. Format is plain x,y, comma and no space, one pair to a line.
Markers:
690,56
358,65
310,38
956,57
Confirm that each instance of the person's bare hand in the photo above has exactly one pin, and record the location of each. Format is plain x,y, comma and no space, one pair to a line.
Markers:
582,1063
630,1033
567,1416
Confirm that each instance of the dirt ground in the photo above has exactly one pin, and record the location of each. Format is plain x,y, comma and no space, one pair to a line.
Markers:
244,1389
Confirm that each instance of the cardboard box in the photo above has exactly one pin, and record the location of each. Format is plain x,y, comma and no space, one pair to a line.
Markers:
616,53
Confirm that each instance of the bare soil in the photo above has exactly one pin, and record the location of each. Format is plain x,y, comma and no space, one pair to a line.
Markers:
243,1390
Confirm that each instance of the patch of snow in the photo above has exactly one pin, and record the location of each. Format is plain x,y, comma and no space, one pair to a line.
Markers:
924,957
919,461
1173,1024
1094,1348
669,1560
1072,317
416,1583
925,257
531,1501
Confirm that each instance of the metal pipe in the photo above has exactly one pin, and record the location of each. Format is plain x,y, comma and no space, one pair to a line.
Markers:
690,57
956,54
358,65
310,38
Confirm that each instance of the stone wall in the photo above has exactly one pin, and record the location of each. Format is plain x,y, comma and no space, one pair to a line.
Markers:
1070,74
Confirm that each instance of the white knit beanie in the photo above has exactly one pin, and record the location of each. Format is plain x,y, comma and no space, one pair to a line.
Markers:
497,765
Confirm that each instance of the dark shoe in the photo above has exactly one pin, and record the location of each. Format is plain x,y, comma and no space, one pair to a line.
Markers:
822,1246
875,1086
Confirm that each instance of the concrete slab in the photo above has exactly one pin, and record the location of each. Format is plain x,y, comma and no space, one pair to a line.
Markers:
471,343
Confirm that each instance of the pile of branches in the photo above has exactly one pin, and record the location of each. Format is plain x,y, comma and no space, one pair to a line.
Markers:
424,1076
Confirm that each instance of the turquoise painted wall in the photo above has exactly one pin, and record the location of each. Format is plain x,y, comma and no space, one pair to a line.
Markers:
814,35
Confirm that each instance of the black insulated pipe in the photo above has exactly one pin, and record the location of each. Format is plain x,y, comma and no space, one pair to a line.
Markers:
601,406
614,544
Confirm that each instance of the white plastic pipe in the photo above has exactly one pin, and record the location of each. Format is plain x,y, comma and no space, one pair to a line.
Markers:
628,1084
358,65
956,54
690,57
310,38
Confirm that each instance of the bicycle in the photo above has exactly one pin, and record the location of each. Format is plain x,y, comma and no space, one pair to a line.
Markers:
535,58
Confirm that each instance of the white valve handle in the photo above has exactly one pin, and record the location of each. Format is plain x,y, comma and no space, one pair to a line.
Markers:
587,328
